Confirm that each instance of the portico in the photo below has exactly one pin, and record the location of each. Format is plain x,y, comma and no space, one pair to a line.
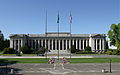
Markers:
51,41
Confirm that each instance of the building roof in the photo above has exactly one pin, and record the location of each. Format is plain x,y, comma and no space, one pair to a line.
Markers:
54,34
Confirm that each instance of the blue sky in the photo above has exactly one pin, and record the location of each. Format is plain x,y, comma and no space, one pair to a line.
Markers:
28,16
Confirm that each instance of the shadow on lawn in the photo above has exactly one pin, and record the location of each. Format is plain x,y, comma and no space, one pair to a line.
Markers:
6,69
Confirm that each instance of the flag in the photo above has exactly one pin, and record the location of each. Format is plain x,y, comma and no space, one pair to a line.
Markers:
70,18
58,18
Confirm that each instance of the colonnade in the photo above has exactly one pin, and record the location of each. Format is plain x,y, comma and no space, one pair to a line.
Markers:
58,44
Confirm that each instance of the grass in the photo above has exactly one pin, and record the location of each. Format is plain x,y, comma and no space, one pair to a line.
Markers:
94,60
88,54
22,54
27,60
73,60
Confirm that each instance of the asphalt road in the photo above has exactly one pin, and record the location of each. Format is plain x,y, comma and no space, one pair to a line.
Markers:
67,69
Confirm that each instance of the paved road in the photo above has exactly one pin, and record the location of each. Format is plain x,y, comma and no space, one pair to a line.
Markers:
67,69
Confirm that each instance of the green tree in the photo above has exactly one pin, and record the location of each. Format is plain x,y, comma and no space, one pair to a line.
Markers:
114,35
73,49
9,51
41,50
4,44
88,48
26,50
1,44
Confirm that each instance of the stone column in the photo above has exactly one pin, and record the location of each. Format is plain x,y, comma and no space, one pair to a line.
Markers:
42,42
93,44
38,44
103,44
83,45
69,43
15,44
11,43
52,44
79,44
35,45
96,44
45,44
59,44
100,44
86,42
18,44
48,44
55,44
62,44
72,42
76,44
66,45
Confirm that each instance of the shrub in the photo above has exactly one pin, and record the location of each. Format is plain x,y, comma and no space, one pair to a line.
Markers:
88,48
85,52
73,49
8,51
26,50
113,52
41,50
109,52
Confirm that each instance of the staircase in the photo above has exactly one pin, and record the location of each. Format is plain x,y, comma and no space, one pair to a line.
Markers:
60,52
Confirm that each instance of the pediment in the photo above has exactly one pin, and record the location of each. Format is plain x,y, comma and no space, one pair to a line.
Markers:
14,36
98,36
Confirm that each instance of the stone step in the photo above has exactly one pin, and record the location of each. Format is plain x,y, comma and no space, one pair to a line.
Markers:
60,52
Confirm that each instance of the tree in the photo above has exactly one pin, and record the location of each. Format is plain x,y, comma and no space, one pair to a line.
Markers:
1,44
9,51
4,44
41,50
88,48
73,49
114,35
25,49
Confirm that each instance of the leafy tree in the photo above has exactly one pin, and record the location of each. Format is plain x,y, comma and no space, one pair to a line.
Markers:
114,35
9,51
73,49
88,48
26,50
41,50
1,45
4,44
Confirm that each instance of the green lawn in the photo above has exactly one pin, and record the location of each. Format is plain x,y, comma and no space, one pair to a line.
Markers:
22,54
94,60
73,60
27,60
88,54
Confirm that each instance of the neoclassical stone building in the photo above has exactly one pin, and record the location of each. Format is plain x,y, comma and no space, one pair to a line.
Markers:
62,41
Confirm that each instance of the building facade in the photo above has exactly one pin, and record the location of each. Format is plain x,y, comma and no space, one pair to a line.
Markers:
62,41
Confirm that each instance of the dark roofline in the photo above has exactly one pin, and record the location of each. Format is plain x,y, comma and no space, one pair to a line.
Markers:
57,33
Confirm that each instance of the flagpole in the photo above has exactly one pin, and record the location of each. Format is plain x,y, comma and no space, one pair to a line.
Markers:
58,41
70,33
70,40
58,34
46,33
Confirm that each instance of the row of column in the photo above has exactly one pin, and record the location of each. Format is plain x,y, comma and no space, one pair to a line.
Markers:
98,44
